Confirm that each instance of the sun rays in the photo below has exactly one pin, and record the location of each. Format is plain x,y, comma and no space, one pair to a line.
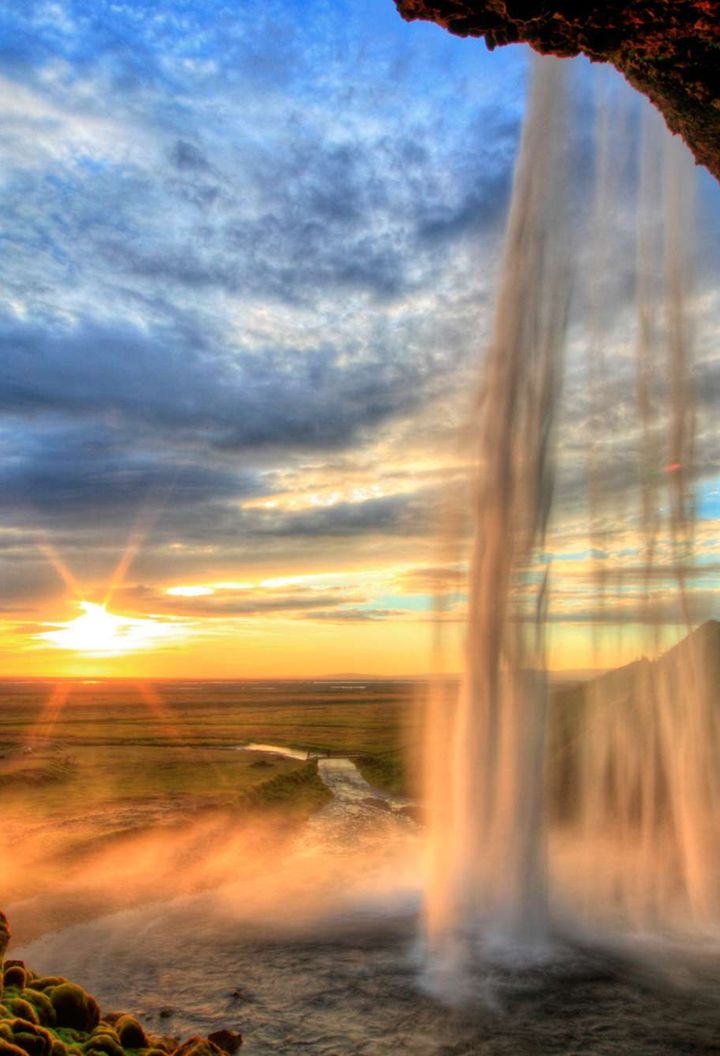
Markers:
98,632
95,632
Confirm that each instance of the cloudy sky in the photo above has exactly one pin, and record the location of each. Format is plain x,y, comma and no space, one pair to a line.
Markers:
249,254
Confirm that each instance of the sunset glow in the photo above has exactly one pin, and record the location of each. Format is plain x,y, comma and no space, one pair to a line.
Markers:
239,445
97,632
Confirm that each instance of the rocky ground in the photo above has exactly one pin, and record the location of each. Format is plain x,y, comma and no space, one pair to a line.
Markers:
49,1016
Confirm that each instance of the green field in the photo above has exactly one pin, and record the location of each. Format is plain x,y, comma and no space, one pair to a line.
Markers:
82,764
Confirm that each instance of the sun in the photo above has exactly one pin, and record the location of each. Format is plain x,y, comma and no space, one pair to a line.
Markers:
97,632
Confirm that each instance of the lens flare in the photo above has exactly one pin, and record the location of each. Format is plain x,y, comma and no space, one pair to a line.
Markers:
97,632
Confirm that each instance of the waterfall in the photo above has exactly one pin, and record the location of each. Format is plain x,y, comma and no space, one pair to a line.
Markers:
486,808
598,805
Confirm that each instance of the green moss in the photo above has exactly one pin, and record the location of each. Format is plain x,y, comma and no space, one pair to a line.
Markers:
78,1030
74,1007
105,1043
22,1009
69,1036
32,1039
42,1005
104,1029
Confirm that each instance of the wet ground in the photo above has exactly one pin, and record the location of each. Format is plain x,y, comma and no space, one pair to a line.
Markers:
320,956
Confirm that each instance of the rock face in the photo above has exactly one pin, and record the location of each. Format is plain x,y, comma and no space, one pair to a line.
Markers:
667,49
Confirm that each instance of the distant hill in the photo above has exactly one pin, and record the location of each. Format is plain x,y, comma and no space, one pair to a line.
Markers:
626,716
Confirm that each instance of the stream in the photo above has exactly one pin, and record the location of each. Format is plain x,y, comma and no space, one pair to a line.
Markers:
312,947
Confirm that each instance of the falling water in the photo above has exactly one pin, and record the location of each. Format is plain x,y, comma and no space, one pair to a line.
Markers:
487,870
639,847
597,805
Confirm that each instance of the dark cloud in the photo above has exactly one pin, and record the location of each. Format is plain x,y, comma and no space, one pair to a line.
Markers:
224,250
392,514
75,475
188,157
183,381
479,209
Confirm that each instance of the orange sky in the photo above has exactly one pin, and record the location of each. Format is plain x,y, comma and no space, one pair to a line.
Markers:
240,348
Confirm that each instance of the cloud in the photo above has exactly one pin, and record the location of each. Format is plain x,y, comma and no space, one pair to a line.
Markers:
238,250
668,610
180,380
253,601
207,276
433,579
60,475
391,514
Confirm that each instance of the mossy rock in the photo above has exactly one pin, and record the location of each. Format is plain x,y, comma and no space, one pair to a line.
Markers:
131,1033
46,982
74,1007
42,1005
31,1038
6,1030
33,1044
102,1043
105,1029
7,1048
58,1048
72,1039
15,975
22,1009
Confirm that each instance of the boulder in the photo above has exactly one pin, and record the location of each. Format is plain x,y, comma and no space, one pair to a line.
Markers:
227,1040
42,1005
74,1007
33,1039
22,1009
104,1042
130,1033
8,1048
14,976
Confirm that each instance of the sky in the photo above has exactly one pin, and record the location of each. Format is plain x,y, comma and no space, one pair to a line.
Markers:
249,256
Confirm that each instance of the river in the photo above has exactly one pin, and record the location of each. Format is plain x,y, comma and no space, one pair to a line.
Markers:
315,951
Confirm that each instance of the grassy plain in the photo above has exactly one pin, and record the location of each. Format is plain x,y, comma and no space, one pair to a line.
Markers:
84,763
